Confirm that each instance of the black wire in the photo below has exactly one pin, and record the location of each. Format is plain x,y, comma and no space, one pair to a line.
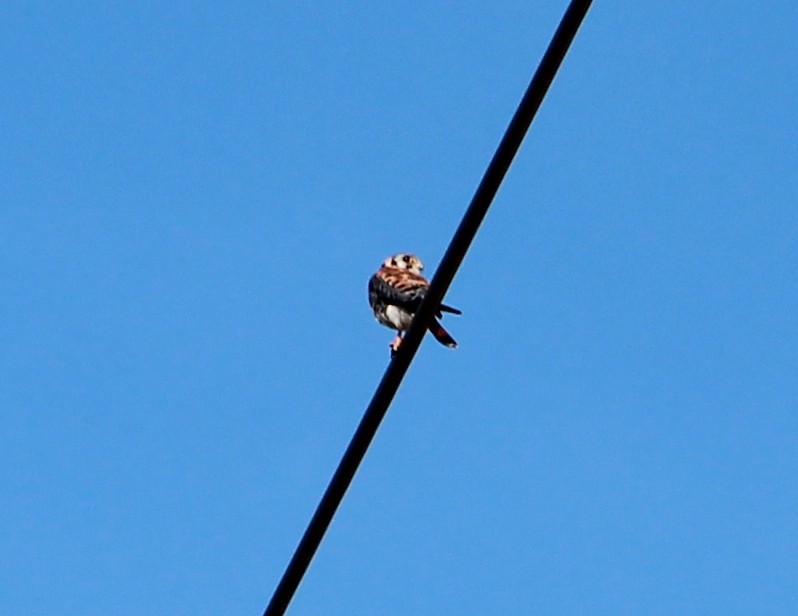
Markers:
439,284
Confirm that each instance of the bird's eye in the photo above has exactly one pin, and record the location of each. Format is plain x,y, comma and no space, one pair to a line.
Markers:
406,258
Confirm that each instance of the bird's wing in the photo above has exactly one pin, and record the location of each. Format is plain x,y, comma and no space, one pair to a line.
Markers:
397,287
445,308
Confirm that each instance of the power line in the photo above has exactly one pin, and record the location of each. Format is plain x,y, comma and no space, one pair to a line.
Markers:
455,253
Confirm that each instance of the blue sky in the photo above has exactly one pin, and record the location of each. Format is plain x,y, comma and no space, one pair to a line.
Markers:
194,196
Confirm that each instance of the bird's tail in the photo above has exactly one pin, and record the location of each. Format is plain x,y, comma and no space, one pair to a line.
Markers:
441,335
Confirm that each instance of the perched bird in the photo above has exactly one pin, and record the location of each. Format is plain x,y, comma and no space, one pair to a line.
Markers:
395,293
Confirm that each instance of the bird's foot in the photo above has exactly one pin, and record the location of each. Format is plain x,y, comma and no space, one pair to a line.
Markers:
395,346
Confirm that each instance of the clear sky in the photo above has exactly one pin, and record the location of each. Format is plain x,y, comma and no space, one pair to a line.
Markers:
194,195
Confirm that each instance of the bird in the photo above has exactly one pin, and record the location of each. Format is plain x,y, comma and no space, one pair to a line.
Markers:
395,293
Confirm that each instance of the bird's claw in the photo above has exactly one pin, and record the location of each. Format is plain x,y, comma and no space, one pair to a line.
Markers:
395,346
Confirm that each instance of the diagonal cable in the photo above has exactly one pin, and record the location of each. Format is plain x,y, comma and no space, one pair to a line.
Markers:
455,253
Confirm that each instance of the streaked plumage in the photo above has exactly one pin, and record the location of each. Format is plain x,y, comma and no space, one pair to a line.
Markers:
395,293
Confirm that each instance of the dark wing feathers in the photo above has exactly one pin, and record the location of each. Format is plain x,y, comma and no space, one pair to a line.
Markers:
387,288
398,287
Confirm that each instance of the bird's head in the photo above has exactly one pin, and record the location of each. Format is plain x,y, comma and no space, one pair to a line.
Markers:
405,261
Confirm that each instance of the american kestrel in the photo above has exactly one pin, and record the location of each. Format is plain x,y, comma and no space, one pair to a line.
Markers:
395,293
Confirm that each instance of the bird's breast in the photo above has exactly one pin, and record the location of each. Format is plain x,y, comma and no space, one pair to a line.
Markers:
394,317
